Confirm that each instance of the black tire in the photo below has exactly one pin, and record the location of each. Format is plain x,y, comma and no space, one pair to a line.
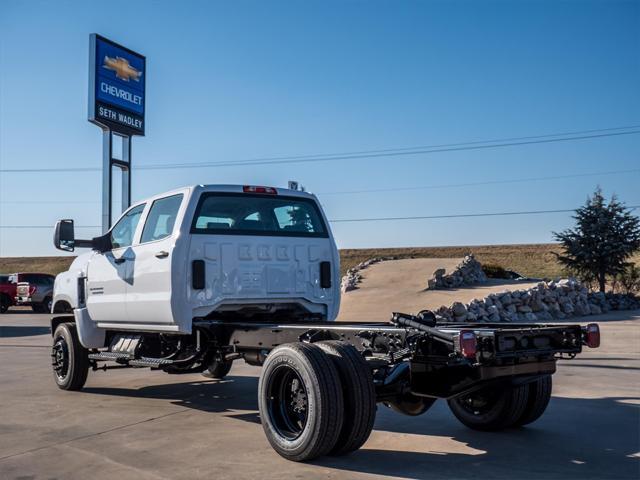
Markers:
69,359
491,408
359,396
37,308
300,401
5,303
47,304
218,368
538,400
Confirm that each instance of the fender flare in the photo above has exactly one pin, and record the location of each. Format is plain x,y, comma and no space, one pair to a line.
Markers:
63,298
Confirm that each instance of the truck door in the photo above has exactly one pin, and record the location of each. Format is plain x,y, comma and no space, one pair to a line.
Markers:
108,273
149,293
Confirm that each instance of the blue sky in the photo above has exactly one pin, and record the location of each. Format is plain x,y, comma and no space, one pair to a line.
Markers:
238,80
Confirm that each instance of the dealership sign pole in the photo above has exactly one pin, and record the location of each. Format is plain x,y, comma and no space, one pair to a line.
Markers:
117,78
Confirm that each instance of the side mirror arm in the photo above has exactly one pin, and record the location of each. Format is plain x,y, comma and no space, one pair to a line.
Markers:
101,244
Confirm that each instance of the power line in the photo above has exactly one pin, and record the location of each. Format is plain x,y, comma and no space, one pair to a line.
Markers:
488,182
464,215
405,151
385,219
390,189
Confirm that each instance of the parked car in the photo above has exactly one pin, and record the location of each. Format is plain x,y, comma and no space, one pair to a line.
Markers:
7,293
34,289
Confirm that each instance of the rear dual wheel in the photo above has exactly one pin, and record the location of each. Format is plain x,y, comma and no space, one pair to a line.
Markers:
316,399
359,396
497,408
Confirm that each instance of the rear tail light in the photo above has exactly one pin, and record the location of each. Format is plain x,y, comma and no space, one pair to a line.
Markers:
592,335
468,344
32,289
255,189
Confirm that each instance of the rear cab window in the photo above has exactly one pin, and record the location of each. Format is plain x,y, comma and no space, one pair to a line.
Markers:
258,214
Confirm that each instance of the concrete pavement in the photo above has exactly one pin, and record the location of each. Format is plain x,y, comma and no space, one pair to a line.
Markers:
134,423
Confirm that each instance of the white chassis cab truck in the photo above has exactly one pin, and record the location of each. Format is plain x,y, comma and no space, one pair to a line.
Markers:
190,280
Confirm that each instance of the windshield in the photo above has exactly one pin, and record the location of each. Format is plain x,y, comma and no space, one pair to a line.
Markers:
247,214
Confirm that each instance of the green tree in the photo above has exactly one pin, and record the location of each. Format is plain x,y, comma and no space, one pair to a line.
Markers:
605,236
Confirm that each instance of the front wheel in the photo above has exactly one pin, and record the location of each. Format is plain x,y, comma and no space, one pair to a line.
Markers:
491,408
69,359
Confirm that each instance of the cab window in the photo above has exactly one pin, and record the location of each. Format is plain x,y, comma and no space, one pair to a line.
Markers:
161,218
122,232
258,214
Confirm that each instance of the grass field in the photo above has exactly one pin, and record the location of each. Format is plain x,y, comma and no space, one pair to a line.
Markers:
530,260
535,260
53,265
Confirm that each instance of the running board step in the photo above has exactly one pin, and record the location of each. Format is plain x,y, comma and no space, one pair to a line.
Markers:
111,356
150,362
126,359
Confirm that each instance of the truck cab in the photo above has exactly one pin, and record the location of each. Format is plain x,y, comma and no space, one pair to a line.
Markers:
203,252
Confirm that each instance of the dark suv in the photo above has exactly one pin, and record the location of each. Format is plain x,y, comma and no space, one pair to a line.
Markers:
34,289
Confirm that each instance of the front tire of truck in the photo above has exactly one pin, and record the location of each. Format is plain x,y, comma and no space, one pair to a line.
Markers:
491,408
539,396
69,359
359,396
300,401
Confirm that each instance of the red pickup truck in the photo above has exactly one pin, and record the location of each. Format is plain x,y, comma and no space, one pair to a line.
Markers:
32,289
7,293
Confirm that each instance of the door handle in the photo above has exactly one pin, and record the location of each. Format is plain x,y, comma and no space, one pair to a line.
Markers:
119,260
162,254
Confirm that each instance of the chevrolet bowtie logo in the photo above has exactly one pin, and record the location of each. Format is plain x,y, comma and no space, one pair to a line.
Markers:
122,68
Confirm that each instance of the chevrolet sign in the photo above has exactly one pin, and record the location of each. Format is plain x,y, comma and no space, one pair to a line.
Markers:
117,78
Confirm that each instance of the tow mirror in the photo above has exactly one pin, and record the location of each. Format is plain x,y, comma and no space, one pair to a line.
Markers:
102,243
64,236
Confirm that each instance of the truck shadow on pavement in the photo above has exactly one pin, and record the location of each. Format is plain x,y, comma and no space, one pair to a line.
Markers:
23,331
231,394
576,438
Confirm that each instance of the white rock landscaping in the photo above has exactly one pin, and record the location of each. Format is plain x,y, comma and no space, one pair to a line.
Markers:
353,277
547,301
468,272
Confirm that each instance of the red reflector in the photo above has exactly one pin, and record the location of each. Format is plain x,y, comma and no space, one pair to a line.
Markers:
254,189
468,344
592,335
